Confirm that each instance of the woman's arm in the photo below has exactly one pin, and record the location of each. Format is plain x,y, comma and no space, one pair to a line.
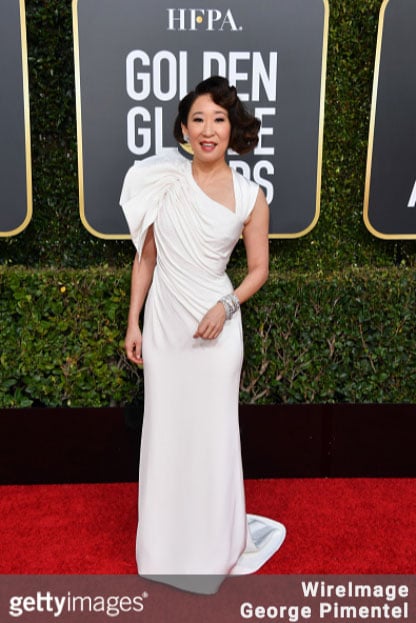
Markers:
256,241
141,279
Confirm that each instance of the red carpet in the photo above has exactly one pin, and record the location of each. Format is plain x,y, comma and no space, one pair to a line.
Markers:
335,526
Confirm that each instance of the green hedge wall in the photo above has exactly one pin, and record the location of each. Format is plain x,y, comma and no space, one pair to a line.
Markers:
62,335
334,322
345,337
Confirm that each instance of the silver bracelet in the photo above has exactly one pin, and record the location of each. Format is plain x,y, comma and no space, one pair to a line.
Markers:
231,305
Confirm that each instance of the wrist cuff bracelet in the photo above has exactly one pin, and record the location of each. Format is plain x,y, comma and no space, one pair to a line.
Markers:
231,305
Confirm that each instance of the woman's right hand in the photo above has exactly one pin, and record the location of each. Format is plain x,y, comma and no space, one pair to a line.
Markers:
133,345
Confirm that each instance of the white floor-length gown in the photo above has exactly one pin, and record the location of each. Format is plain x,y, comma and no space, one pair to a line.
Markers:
192,518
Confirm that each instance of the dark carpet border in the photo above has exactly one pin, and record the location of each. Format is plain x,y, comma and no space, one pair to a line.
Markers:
68,445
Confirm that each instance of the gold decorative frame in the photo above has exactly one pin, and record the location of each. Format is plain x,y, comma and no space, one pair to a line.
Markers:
79,134
366,218
26,113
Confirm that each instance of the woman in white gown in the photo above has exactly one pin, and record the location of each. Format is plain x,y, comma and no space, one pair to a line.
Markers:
185,219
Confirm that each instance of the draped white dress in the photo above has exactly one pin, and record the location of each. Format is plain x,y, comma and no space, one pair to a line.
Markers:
192,517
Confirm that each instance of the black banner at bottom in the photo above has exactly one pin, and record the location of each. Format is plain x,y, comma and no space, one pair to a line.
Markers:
208,599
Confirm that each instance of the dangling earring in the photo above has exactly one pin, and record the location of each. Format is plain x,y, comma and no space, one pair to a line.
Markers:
185,147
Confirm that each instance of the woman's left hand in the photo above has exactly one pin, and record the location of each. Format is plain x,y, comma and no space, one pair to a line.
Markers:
212,323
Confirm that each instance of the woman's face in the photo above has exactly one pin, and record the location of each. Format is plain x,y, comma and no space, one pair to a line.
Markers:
208,128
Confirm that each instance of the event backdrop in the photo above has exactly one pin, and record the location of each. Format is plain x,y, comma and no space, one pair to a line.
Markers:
15,163
134,61
390,193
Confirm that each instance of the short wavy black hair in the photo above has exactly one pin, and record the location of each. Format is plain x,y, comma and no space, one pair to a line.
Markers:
244,126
